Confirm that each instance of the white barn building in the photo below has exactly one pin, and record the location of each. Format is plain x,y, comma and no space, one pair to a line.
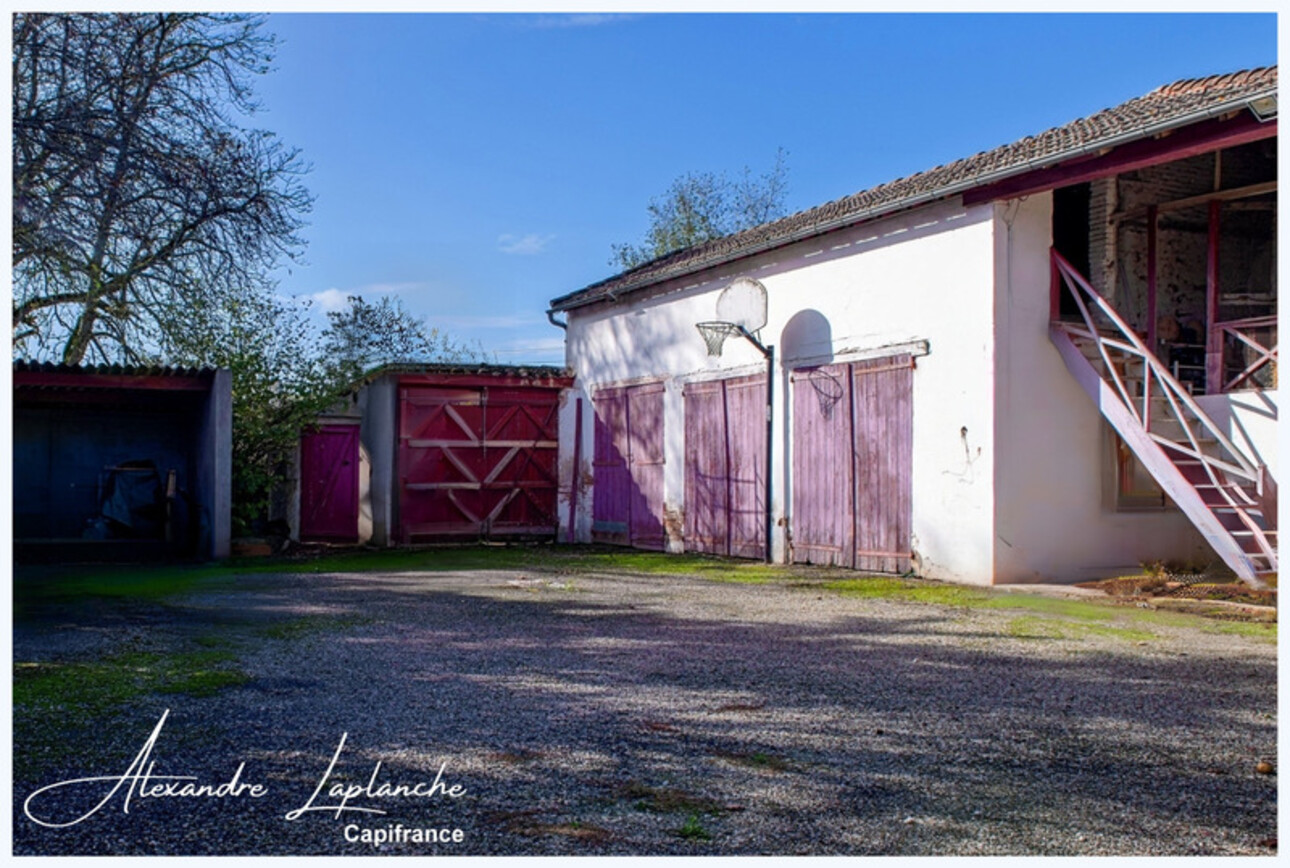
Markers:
1052,361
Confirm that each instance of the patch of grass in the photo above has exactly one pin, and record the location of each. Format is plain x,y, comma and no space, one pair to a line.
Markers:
94,687
888,588
1032,627
1077,617
54,701
668,800
1264,631
692,830
152,582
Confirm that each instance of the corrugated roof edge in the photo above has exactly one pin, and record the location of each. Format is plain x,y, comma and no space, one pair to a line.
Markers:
480,368
801,225
24,365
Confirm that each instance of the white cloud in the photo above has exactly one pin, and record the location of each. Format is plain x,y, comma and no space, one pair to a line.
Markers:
523,245
334,299
330,299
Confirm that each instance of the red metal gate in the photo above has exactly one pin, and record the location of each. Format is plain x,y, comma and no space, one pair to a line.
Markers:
627,506
477,461
329,484
725,465
853,464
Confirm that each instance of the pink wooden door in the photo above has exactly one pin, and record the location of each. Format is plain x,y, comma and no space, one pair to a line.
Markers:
725,470
882,401
853,464
627,505
329,484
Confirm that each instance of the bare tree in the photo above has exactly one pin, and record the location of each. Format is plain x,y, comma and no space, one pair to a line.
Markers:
135,190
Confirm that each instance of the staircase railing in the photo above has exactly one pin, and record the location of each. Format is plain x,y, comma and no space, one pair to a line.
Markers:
1242,332
1116,341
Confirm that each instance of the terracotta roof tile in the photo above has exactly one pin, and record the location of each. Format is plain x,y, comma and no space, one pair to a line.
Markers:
1172,105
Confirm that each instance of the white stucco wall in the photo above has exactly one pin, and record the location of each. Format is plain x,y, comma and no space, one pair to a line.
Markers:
1249,419
926,276
1053,521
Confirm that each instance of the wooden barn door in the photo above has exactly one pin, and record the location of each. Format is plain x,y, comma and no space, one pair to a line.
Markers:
477,462
329,484
725,465
883,415
853,464
627,505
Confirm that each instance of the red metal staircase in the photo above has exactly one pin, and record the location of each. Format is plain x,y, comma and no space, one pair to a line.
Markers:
1230,500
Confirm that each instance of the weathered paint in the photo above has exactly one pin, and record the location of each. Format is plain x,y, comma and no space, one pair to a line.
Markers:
853,460
629,462
882,417
329,484
725,465
823,525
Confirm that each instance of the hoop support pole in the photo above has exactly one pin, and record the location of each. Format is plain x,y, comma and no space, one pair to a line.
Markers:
769,352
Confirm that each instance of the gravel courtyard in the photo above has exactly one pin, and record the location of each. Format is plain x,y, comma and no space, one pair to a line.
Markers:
613,712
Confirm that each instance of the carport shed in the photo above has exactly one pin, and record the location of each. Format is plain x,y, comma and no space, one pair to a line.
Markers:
87,439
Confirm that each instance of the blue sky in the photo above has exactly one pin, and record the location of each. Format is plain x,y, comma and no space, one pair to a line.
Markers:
477,166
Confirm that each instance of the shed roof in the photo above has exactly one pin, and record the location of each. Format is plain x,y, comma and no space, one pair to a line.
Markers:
1166,108
56,375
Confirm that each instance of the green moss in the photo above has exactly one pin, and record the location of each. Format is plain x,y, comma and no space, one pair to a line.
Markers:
95,687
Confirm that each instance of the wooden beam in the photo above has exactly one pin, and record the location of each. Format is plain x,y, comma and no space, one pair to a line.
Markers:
1220,195
1200,138
1151,278
1213,334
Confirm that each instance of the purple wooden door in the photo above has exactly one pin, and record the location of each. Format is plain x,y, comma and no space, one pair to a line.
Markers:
329,484
823,514
853,464
707,488
882,402
612,480
627,506
645,424
725,469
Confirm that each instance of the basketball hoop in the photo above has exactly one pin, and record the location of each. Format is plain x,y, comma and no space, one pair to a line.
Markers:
828,391
715,334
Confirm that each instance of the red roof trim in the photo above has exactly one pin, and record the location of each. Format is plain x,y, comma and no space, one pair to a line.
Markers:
1200,139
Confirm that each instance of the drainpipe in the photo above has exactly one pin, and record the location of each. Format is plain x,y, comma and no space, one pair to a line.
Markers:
550,317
